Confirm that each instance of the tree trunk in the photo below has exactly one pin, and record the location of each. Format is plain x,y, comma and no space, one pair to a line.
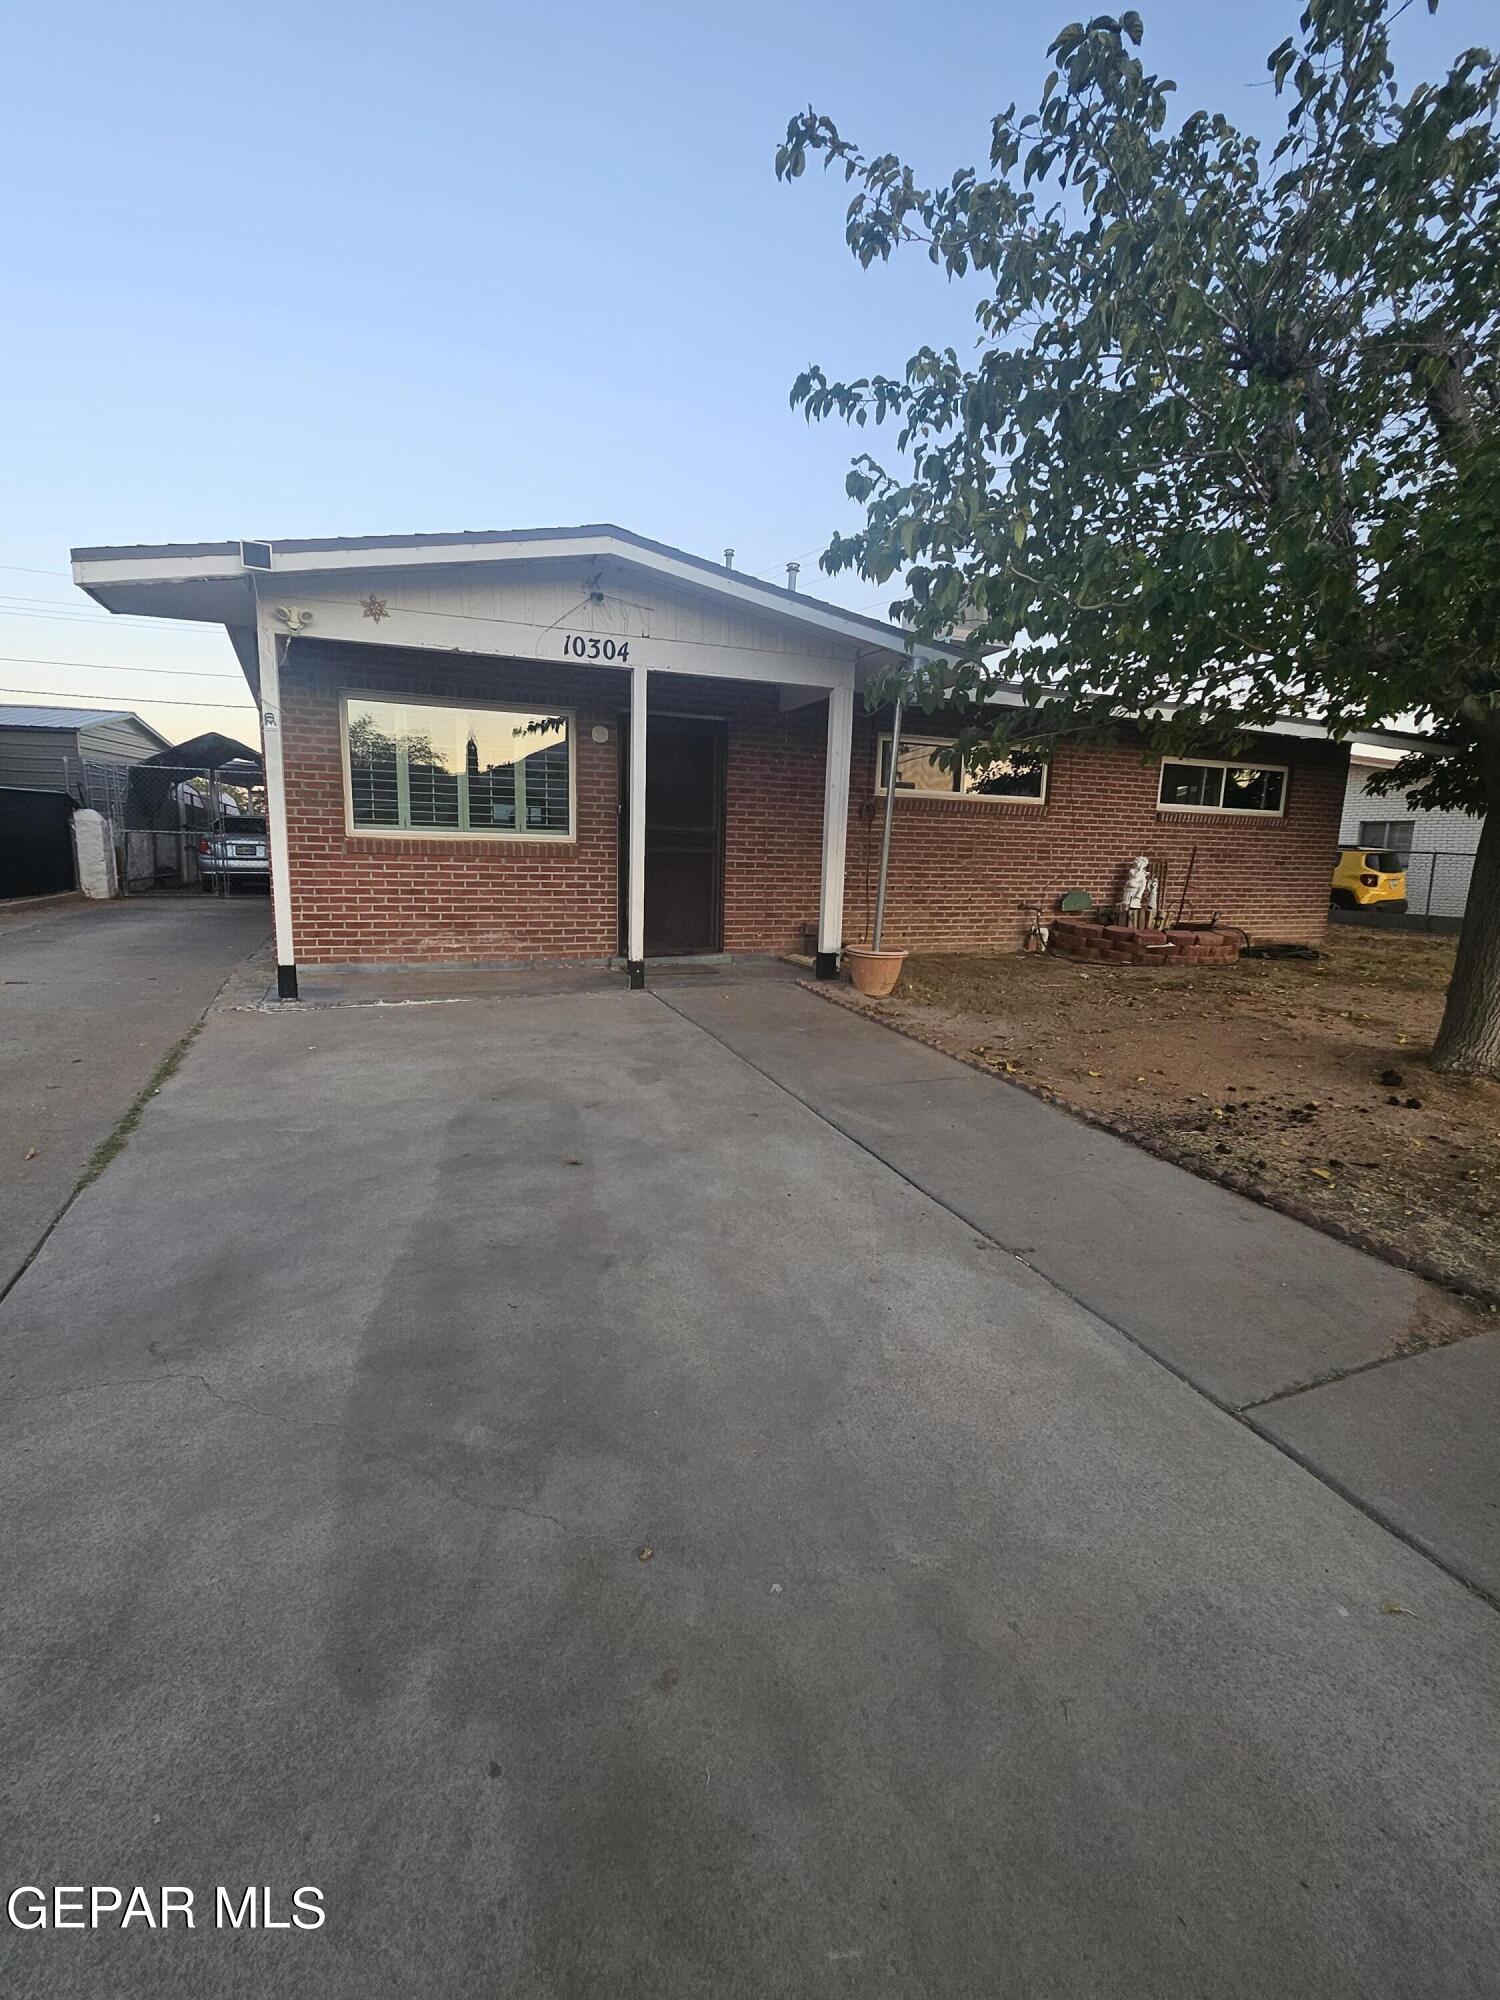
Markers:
1468,1042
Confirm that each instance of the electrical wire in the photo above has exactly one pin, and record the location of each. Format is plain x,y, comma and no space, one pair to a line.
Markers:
526,625
13,608
142,617
147,700
759,571
115,667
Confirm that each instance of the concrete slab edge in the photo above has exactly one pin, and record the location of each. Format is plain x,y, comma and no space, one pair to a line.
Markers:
1240,1184
20,906
1246,1416
114,1141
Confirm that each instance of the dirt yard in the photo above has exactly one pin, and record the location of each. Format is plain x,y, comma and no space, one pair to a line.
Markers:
1302,1082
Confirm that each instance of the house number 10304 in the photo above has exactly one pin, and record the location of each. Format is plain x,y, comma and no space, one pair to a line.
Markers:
579,647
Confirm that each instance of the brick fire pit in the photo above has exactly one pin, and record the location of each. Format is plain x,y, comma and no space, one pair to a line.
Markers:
1118,944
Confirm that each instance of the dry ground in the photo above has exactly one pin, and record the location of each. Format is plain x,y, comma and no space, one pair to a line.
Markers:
1304,1082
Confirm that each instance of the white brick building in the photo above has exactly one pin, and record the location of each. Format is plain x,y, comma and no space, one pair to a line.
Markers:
1440,845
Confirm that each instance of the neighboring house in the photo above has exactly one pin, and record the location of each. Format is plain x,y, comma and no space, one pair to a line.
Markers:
46,749
1439,846
579,743
51,760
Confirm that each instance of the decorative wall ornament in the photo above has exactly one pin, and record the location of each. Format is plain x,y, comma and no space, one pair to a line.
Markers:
374,607
293,619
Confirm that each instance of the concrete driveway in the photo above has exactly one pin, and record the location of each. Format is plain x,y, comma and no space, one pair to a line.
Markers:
92,997
519,1469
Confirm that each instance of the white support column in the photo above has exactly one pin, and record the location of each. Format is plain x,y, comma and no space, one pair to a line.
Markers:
835,829
269,660
635,822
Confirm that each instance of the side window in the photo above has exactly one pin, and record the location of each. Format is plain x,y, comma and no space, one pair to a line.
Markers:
992,778
1395,834
1202,785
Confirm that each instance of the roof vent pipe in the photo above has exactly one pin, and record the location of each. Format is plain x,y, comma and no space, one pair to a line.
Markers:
729,559
793,570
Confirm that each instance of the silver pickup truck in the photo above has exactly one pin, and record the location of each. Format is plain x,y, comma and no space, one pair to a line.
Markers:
239,854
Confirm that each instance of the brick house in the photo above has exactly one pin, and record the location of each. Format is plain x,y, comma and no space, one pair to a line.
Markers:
576,743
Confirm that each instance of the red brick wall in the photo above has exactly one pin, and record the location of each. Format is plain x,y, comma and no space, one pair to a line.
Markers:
372,897
773,809
960,871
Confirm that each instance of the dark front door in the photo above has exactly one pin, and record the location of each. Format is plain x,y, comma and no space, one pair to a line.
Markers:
684,835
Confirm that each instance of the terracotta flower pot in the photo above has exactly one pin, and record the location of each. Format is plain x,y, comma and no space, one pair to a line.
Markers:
874,972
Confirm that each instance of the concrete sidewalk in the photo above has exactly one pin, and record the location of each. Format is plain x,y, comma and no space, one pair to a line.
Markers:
1248,1305
614,1534
92,997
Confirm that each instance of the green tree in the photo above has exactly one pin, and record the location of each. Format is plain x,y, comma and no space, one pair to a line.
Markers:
1229,442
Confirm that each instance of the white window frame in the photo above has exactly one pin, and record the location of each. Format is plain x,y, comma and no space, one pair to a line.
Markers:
958,798
1225,764
488,833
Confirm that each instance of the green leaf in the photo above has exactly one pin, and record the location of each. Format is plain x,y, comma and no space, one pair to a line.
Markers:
1234,402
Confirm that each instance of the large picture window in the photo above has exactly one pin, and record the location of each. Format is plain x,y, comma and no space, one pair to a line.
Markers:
982,778
1198,785
458,768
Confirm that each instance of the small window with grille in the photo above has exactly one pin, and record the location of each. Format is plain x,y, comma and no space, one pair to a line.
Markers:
458,768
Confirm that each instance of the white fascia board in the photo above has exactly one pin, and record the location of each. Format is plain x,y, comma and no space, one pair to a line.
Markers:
95,572
246,643
501,638
1285,725
595,548
1290,725
100,572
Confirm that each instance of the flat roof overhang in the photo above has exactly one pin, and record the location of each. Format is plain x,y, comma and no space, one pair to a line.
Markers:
212,582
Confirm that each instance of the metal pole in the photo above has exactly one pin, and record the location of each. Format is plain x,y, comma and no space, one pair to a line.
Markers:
1431,874
885,831
635,835
215,846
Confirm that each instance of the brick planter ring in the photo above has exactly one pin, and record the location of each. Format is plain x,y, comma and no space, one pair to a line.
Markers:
1118,944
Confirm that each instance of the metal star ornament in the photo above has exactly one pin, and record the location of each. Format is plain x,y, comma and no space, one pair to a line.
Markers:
374,607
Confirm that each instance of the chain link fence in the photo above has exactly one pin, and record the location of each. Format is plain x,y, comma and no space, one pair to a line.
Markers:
179,827
1437,885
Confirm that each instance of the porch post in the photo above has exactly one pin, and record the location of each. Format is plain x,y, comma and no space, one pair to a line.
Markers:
635,908
271,732
835,828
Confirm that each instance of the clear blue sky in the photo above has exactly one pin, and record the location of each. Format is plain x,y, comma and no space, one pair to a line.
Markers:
318,268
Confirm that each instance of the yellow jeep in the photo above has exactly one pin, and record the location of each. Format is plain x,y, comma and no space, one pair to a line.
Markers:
1367,876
